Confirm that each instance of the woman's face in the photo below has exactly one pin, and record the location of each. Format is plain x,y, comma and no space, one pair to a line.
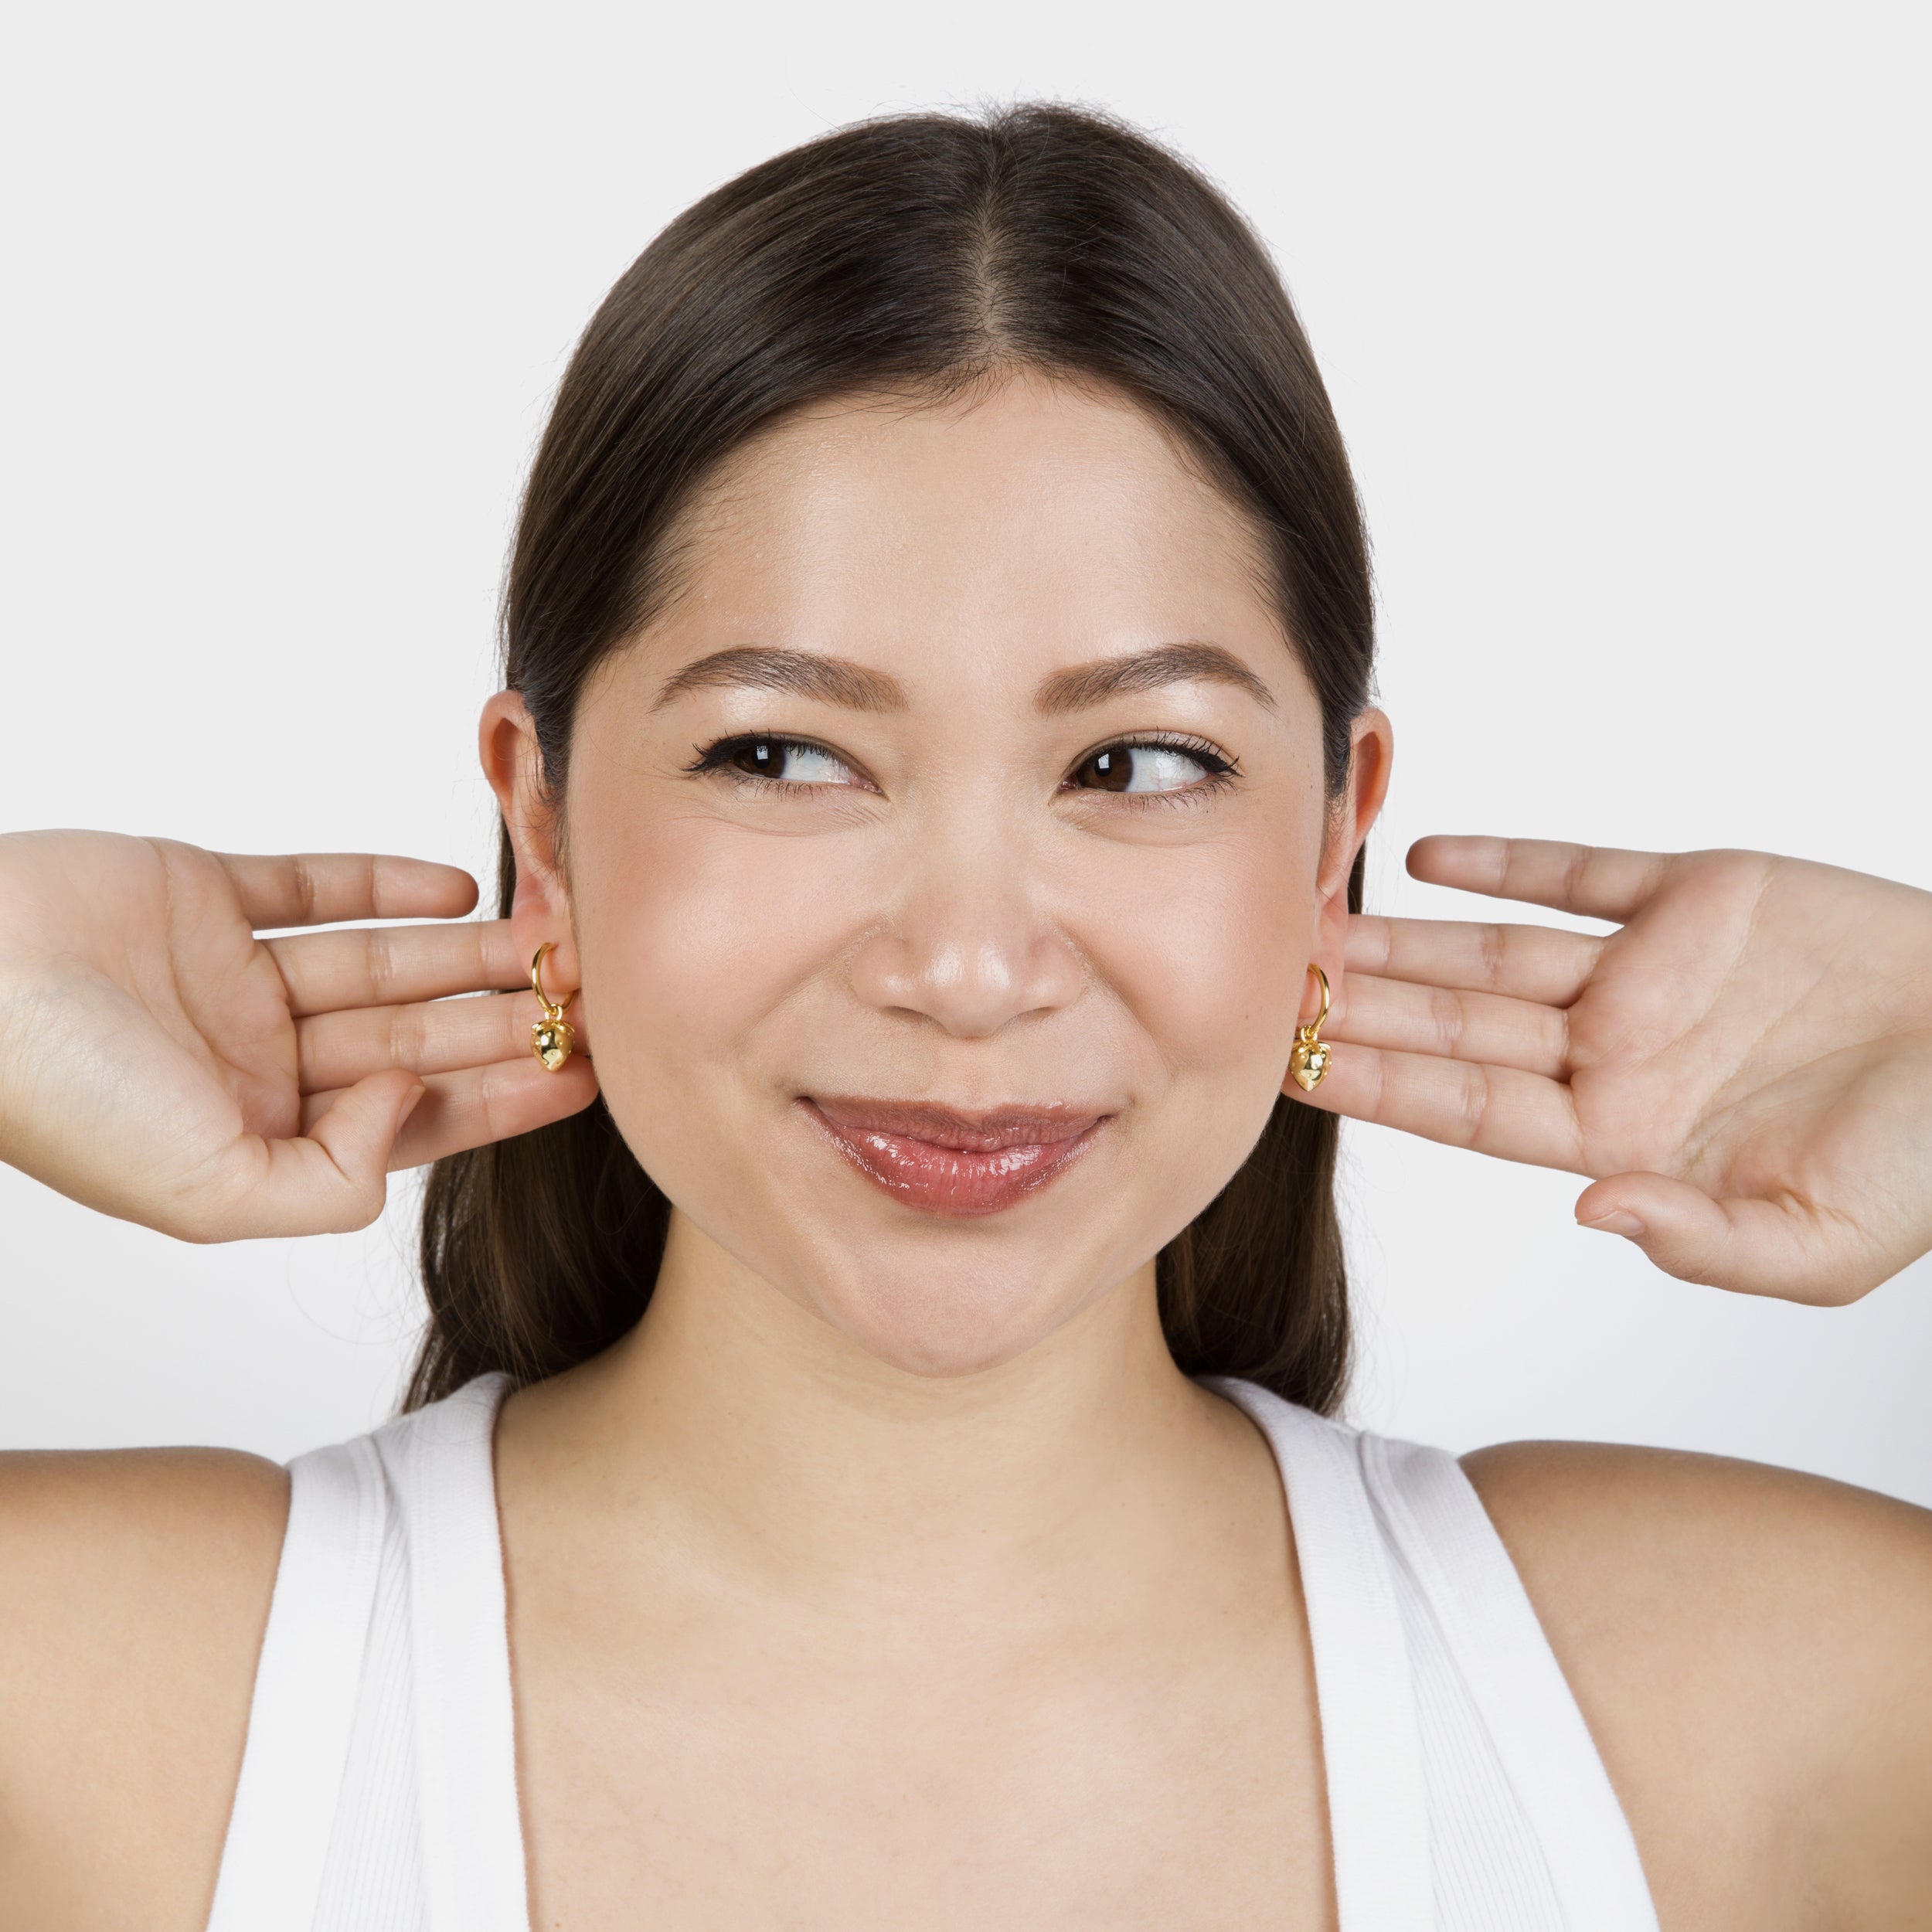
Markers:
944,864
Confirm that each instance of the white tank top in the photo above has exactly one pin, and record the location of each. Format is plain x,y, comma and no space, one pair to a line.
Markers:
378,1790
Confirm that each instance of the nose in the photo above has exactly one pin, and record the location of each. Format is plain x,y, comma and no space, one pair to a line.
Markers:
968,944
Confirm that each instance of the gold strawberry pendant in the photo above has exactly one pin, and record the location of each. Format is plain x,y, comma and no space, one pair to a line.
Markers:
1308,1057
553,1038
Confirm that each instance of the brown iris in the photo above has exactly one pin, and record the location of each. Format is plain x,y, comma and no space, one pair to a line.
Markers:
1109,771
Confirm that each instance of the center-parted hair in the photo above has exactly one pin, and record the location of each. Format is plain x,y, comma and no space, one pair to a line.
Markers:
926,254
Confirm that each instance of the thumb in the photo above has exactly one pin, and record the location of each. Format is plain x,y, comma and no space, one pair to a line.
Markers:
334,1178
1777,1248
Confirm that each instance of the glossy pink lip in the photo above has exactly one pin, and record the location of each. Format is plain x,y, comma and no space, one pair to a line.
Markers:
952,1163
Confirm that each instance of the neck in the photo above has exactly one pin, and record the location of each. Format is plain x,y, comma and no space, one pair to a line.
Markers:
738,1431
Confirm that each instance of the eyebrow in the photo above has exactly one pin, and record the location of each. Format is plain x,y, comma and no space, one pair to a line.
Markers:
806,674
1082,685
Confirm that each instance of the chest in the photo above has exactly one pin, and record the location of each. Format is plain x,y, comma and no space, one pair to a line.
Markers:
910,1784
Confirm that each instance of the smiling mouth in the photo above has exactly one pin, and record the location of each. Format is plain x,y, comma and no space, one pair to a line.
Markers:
950,1164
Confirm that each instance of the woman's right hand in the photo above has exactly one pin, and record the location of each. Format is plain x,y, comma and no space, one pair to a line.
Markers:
162,1063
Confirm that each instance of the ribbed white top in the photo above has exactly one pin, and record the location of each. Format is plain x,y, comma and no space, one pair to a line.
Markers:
378,1786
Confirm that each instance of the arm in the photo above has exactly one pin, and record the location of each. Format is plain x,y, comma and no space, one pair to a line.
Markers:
1752,1649
1743,1069
162,1062
135,1588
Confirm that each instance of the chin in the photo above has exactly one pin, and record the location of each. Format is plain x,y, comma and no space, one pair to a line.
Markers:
942,1321
947,1260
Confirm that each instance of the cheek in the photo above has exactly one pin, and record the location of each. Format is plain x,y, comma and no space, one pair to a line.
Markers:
690,932
1207,945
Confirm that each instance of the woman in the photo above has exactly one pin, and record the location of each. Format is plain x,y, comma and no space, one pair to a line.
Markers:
935,760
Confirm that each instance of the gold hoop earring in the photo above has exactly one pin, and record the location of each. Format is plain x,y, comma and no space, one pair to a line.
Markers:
1308,1058
553,1038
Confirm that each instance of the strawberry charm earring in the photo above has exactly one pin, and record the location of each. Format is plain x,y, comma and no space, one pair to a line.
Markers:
552,1037
1308,1058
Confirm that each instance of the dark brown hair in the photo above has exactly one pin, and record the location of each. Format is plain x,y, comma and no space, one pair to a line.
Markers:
922,253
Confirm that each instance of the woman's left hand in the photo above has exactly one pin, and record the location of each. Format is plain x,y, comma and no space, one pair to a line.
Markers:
1745,1065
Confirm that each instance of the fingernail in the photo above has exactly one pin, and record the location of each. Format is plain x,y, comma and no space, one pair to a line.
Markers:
1617,1222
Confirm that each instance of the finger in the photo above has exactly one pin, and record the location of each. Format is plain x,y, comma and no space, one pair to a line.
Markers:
335,1050
320,888
332,1178
1484,1027
1499,1110
391,965
1523,962
1599,882
1784,1249
481,1104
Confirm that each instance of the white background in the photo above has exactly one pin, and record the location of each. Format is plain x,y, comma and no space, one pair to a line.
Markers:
1625,312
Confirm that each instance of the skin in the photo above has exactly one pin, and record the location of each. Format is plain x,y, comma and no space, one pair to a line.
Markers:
889,1572
969,1483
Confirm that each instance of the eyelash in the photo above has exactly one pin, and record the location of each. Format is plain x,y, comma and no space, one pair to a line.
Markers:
718,755
1221,770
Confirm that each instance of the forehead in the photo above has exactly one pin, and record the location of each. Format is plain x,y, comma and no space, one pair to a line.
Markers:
1038,512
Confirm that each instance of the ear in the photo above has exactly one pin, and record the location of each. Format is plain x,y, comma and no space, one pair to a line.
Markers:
540,909
1371,755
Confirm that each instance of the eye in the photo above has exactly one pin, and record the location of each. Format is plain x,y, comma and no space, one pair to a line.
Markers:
785,761
1156,765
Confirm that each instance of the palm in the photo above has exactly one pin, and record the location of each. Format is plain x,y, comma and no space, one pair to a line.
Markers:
192,1007
164,1063
1745,1065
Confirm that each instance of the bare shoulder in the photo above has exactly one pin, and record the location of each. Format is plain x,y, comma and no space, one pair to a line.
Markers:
135,1587
1752,1648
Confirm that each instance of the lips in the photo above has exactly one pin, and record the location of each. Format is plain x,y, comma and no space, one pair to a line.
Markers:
952,1163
